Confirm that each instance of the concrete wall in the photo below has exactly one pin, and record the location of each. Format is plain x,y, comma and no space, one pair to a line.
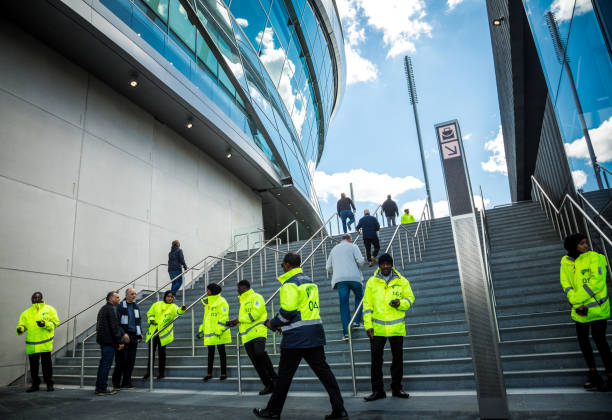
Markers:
93,191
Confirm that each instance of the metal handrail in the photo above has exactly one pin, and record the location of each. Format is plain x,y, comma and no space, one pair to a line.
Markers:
556,216
597,213
425,211
190,307
487,263
312,237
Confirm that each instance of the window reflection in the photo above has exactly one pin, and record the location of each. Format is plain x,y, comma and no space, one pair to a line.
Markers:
251,17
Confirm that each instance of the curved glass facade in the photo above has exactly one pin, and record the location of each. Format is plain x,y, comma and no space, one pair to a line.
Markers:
279,59
590,67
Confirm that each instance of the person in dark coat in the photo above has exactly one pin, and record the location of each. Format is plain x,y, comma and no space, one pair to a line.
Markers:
370,227
389,207
108,336
343,207
128,313
176,264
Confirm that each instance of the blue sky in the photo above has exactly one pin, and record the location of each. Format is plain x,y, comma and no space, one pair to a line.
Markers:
372,141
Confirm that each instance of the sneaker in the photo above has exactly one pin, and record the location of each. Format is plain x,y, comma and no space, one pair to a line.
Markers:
356,326
371,264
594,382
127,386
345,337
207,378
32,389
50,388
116,389
105,392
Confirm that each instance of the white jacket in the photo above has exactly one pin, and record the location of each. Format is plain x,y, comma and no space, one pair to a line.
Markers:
344,262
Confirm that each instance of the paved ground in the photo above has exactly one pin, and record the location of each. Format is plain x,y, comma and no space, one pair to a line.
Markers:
75,403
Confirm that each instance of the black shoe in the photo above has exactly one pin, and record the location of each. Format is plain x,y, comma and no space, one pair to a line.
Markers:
401,394
207,378
32,389
105,392
264,413
267,390
50,388
337,415
594,382
127,386
375,396
144,378
223,377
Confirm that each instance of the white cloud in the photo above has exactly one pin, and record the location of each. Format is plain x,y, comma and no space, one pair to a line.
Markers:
453,3
358,69
580,178
467,136
440,207
563,9
401,21
601,138
242,22
497,161
367,186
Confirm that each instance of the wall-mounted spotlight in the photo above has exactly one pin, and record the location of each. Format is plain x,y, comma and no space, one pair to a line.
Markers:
498,21
133,81
189,123
228,154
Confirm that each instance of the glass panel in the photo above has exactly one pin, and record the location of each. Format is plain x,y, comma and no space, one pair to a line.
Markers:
252,19
179,23
206,55
280,19
309,23
159,7
152,34
298,6
272,55
177,56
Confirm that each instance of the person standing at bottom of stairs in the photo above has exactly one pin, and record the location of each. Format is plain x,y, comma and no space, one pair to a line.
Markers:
215,329
252,318
387,298
583,278
160,318
303,338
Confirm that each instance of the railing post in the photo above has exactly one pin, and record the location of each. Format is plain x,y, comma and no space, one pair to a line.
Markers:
192,332
414,249
399,242
25,372
151,363
338,223
82,363
238,363
74,330
261,269
558,228
407,246
297,231
157,283
576,227
419,242
352,363
248,245
287,239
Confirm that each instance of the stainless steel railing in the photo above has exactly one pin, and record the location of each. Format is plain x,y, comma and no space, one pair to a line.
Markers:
560,216
426,221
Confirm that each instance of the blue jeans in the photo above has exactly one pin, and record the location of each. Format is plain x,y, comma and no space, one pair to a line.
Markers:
176,284
106,361
344,289
390,221
347,214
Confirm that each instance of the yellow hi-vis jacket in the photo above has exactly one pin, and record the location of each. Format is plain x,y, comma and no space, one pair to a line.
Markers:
252,316
216,315
298,315
584,283
38,339
407,218
163,314
386,320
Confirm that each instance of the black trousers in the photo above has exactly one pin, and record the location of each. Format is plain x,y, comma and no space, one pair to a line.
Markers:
289,361
377,346
222,357
598,332
47,368
124,362
367,242
162,356
256,349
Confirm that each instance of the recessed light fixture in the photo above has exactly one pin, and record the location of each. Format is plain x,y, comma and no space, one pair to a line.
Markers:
133,81
288,204
189,123
228,154
498,21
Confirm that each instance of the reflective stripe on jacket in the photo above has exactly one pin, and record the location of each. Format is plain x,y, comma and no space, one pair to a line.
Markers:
252,316
38,339
584,283
163,314
216,315
407,218
299,311
378,314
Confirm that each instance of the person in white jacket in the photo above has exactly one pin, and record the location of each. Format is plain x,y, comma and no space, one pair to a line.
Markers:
344,263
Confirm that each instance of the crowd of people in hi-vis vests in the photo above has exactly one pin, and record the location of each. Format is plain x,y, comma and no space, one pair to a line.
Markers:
386,298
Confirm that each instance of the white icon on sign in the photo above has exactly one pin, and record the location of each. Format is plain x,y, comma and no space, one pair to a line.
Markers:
450,150
447,133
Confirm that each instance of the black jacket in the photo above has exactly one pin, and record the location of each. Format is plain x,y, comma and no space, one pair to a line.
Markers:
390,208
108,332
370,226
344,204
176,259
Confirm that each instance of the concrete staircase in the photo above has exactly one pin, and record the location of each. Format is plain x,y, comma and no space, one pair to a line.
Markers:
539,346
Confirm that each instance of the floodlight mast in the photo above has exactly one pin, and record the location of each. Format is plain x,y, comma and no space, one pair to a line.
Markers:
414,100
